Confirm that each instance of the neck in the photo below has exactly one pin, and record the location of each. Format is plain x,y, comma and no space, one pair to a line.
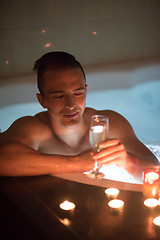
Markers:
71,136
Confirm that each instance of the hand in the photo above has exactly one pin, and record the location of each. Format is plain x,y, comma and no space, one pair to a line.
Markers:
112,152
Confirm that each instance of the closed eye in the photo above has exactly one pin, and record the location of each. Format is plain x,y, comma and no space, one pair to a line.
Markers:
56,96
79,93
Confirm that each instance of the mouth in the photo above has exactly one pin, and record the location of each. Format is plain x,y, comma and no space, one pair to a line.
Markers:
71,115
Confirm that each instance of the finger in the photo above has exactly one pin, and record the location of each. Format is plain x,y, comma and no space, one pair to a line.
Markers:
111,157
110,162
109,143
108,151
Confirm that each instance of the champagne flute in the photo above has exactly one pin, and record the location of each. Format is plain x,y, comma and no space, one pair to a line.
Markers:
98,133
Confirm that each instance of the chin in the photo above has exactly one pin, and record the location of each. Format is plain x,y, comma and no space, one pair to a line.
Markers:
71,123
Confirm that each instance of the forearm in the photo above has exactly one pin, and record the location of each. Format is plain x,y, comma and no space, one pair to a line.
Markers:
20,160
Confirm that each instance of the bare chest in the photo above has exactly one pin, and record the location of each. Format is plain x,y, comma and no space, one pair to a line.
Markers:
53,146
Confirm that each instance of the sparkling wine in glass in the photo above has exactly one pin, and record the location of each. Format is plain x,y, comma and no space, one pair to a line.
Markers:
98,133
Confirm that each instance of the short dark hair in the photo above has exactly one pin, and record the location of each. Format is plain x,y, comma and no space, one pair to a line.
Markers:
54,61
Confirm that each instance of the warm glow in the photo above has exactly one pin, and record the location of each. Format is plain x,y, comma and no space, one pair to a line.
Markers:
150,190
65,221
151,202
112,192
94,33
97,129
43,31
116,203
151,177
66,205
156,221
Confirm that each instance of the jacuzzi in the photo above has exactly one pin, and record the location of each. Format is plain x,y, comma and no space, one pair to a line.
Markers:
131,89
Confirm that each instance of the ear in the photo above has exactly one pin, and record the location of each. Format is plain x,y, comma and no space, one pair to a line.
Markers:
41,100
86,86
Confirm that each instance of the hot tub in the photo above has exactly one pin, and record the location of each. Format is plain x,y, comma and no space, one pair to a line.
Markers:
132,90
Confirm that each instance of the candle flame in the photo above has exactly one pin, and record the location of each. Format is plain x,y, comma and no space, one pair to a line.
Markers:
151,202
112,191
151,177
116,203
66,205
156,221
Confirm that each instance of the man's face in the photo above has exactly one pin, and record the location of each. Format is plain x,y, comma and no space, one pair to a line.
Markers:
65,95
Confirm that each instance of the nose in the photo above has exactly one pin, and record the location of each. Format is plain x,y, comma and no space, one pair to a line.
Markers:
69,102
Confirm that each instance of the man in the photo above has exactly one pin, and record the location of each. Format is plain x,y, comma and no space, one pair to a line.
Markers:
57,140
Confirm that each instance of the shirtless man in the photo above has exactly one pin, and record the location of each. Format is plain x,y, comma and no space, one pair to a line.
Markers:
57,140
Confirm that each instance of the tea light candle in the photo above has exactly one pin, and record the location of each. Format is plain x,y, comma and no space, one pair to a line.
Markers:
112,192
151,202
151,186
66,205
150,177
156,221
116,204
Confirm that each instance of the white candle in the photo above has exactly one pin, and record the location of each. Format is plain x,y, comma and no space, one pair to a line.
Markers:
151,202
112,192
116,204
66,205
156,221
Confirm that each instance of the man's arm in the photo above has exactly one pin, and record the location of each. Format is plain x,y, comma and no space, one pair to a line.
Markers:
123,147
19,158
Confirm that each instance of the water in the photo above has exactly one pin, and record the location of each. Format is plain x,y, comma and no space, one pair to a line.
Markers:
140,105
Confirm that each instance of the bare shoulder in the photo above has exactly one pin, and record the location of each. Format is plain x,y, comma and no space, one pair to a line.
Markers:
89,112
112,115
119,127
109,113
28,129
